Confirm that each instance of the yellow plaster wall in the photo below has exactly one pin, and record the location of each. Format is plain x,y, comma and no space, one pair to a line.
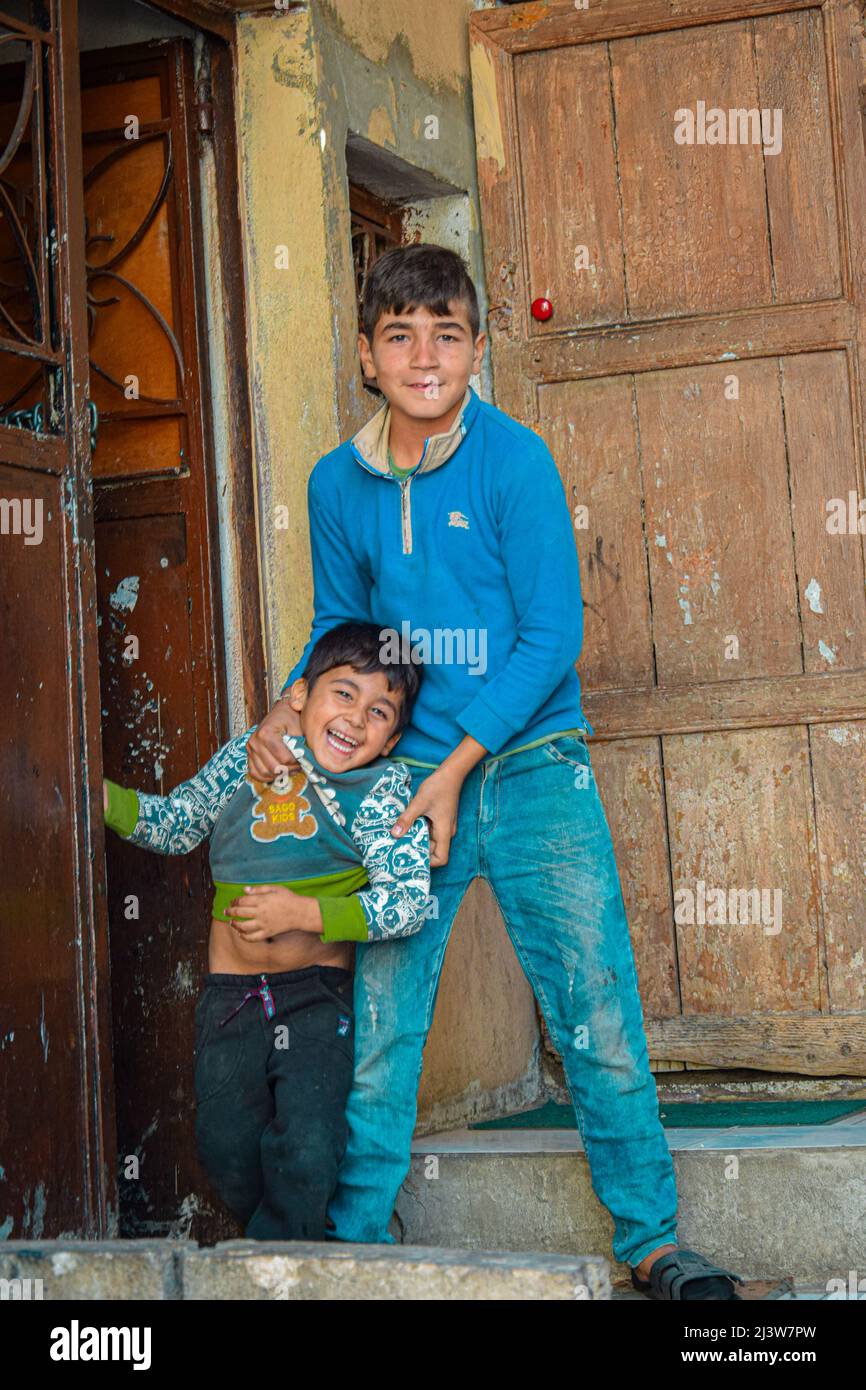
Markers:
290,310
435,32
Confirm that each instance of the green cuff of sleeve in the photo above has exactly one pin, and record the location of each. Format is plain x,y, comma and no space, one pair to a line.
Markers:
122,813
343,919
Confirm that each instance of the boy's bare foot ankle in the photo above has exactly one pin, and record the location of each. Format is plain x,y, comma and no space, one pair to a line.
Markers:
642,1270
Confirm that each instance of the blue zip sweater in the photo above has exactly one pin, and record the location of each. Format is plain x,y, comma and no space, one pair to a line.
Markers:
472,558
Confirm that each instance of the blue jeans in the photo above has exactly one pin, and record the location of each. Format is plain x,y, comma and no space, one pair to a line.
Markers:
533,825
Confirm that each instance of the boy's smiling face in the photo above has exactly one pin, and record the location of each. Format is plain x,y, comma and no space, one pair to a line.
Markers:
348,718
422,361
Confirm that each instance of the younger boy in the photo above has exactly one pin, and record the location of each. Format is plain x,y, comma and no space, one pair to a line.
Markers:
287,861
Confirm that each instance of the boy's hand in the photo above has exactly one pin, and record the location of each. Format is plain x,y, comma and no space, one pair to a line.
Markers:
438,799
267,910
267,755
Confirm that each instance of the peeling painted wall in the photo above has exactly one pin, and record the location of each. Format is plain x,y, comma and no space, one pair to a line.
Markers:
285,224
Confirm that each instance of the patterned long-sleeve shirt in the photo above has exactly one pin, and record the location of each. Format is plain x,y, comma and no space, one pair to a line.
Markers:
320,833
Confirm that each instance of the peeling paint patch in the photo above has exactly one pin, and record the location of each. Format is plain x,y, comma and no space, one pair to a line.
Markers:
293,71
184,979
6,1228
813,596
64,1262
380,128
661,540
828,653
125,596
839,734
684,604
37,1224
488,128
43,1031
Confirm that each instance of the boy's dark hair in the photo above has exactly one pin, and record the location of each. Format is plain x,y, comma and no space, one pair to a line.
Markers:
359,645
414,277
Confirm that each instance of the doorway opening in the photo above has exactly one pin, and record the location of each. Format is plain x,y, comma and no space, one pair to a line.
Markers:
148,130
159,345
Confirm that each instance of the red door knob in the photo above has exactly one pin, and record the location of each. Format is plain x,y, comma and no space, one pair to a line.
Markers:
541,309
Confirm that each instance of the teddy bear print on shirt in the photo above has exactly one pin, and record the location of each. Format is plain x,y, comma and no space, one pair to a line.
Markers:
282,812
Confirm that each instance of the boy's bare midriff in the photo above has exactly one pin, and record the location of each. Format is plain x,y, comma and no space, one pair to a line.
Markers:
228,954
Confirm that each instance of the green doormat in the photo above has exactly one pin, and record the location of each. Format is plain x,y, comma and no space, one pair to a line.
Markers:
725,1114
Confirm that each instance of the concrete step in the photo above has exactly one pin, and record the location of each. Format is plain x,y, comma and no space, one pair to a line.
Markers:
129,1270
765,1202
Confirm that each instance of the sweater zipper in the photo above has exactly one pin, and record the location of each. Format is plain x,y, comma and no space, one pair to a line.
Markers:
406,505
406,516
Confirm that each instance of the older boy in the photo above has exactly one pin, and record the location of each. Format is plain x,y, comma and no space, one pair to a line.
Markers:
444,514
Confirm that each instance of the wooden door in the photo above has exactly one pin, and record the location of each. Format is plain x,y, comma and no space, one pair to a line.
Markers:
56,1085
701,384
157,573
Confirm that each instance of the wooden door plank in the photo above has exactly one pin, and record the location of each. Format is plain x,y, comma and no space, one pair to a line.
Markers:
810,1046
590,430
740,821
767,702
688,342
695,233
718,523
791,61
839,771
818,409
630,780
551,23
566,123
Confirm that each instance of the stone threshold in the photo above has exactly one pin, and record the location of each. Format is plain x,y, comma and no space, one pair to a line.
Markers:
172,1270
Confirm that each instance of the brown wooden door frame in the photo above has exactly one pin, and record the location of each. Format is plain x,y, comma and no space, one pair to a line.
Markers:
96,1059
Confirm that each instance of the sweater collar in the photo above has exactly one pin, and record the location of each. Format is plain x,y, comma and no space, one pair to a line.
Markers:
370,444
